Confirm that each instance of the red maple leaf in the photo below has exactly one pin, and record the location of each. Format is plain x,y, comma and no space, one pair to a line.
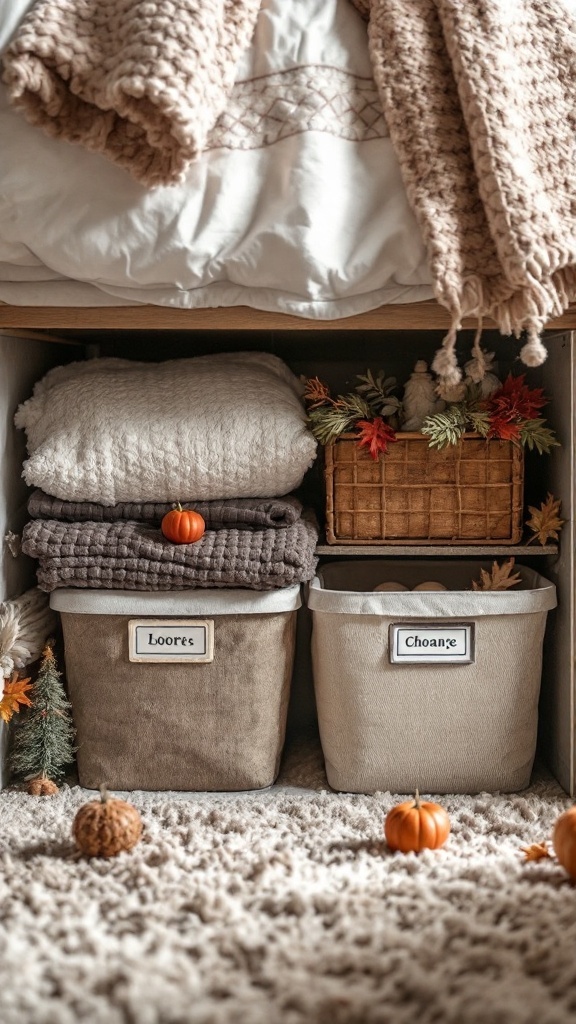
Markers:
375,434
504,429
514,400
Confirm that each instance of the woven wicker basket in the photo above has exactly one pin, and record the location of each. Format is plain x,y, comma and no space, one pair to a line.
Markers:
469,493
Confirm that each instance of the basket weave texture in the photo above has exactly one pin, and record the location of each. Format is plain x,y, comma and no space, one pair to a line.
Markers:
468,493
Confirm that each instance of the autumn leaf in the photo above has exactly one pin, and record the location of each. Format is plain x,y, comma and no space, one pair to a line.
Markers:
536,851
14,695
499,577
316,393
503,429
514,400
375,435
545,521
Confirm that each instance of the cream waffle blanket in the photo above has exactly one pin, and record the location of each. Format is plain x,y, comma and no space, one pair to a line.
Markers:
229,425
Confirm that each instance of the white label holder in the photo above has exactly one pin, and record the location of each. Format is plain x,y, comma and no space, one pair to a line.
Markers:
171,640
431,643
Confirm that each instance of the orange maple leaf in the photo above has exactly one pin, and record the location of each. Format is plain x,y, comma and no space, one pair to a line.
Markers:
536,851
14,695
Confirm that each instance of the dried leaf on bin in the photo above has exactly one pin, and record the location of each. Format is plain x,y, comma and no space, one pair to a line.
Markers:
499,577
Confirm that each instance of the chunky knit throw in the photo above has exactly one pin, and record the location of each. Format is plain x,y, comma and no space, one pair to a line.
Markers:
140,81
133,556
480,99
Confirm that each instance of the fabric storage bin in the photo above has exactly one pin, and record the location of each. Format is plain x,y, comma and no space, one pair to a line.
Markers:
216,723
440,727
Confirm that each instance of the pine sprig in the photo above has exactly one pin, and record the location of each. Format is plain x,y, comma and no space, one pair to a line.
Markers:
444,428
328,423
479,421
354,404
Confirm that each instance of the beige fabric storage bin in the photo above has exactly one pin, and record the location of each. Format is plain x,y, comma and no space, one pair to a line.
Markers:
443,727
176,725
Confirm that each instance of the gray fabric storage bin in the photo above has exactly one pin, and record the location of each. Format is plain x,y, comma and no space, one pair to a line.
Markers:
441,728
215,725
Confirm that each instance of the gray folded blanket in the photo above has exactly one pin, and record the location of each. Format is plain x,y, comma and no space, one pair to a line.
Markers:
134,556
237,513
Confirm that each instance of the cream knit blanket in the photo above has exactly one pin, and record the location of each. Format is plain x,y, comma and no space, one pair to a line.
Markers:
139,81
480,99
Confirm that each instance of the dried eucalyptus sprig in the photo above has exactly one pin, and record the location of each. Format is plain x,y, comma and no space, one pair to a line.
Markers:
378,393
370,403
508,414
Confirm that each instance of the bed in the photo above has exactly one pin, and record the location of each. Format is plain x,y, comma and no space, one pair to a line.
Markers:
300,211
307,225
254,222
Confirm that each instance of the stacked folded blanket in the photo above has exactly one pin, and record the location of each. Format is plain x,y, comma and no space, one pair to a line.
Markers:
129,555
238,513
112,444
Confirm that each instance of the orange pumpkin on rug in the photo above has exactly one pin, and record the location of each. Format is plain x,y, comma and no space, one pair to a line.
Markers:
564,840
183,525
416,825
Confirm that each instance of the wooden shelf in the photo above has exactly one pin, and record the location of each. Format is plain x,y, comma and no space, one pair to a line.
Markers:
428,315
435,551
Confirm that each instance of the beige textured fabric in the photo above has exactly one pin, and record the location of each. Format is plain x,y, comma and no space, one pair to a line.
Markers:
214,726
439,728
480,99
140,81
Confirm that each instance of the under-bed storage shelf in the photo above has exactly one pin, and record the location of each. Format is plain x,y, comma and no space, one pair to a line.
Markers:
411,316
435,550
337,355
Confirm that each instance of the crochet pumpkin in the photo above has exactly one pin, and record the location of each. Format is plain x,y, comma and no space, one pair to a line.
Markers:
105,827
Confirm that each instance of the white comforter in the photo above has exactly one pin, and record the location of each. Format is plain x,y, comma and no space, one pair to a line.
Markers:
297,206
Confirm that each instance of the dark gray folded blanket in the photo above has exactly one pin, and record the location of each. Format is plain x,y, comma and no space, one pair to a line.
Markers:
239,513
134,556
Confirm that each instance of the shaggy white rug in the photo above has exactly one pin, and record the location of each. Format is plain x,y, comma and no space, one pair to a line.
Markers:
285,907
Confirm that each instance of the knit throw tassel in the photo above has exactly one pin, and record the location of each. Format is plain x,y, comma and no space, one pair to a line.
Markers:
480,100
445,363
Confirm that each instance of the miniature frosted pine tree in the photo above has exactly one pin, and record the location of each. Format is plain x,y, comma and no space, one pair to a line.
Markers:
42,743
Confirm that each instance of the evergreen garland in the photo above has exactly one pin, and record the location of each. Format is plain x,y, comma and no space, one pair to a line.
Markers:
42,741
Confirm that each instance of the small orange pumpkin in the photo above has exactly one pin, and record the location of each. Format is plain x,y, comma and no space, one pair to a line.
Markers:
105,827
183,525
564,840
416,825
